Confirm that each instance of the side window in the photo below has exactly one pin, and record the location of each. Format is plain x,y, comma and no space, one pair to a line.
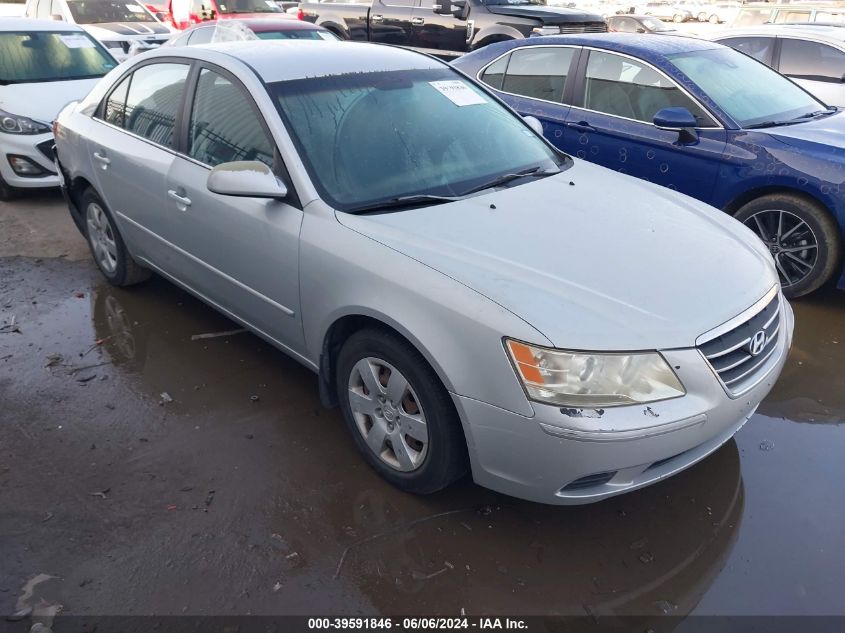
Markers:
624,87
811,60
43,12
760,48
217,135
625,25
784,16
495,73
201,35
55,8
155,95
400,3
538,72
114,111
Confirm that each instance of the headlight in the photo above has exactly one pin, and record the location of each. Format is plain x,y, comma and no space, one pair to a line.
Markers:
583,379
14,124
546,30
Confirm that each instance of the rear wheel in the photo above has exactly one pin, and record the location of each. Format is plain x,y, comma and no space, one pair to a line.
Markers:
401,417
802,237
714,19
106,244
677,18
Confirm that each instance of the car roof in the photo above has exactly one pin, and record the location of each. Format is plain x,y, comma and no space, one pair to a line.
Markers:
632,43
306,58
821,32
30,24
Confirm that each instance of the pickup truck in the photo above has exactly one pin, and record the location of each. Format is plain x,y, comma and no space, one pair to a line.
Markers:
447,28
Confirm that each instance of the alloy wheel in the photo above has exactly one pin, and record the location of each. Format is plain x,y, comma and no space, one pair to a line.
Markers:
388,414
790,240
101,236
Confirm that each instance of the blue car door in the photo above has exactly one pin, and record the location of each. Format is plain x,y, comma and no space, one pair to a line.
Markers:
610,123
536,81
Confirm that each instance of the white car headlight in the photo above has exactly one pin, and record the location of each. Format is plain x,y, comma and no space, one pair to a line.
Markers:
586,379
14,124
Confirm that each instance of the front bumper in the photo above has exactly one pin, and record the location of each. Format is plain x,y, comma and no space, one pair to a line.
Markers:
37,149
574,456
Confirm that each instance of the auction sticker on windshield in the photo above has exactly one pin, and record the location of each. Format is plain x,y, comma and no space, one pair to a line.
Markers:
458,92
76,41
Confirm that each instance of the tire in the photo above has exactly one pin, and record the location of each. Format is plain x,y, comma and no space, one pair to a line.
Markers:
714,19
702,17
418,458
7,192
106,244
677,18
802,236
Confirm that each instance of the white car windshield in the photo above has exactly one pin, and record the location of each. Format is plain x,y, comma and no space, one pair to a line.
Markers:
229,7
38,56
751,93
371,138
104,11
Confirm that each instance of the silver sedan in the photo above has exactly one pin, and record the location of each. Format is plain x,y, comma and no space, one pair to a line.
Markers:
472,299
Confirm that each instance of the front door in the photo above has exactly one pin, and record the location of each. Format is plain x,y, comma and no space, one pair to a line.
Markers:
435,33
131,145
610,124
390,21
242,254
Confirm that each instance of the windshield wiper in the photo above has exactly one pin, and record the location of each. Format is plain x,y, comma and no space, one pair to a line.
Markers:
533,172
813,115
403,201
772,124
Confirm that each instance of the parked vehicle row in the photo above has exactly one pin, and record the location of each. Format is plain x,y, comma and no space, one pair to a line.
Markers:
695,117
393,226
447,28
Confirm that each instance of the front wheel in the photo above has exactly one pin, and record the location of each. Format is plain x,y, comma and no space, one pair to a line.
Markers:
803,238
677,18
714,19
398,412
106,244
7,192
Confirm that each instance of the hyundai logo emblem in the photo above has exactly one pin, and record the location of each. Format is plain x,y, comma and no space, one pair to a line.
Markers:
758,342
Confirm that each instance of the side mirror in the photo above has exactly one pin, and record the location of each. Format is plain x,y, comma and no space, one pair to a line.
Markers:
57,17
678,120
534,124
245,179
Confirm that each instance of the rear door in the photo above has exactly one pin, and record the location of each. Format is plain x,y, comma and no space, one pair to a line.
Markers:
818,68
131,146
610,123
240,253
390,21
534,80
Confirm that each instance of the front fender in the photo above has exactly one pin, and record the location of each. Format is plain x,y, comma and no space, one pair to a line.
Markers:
497,32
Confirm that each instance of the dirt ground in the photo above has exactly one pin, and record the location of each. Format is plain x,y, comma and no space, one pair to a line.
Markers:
143,472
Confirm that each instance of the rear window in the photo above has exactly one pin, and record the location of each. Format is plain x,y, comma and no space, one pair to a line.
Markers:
298,34
29,57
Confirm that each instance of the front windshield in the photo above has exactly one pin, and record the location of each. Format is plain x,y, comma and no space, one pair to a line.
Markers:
653,24
298,34
750,92
230,7
372,137
39,56
102,11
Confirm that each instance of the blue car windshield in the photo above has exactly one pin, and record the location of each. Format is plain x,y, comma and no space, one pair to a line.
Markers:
750,92
373,137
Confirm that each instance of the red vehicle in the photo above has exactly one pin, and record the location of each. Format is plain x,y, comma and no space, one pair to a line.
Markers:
256,28
184,13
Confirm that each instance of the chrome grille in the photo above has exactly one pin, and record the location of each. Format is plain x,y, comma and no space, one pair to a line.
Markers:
730,354
590,27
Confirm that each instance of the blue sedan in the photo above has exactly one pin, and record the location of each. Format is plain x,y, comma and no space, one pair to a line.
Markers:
696,117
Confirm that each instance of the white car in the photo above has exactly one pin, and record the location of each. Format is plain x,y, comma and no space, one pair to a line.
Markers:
11,8
117,24
813,56
44,65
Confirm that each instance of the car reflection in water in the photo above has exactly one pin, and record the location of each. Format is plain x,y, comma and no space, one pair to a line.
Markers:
643,555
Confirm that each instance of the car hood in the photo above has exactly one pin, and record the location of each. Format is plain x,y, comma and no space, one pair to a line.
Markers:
827,130
43,101
590,258
547,15
109,30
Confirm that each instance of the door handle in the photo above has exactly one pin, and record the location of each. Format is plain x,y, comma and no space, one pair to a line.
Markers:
186,202
417,20
377,18
581,126
104,160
